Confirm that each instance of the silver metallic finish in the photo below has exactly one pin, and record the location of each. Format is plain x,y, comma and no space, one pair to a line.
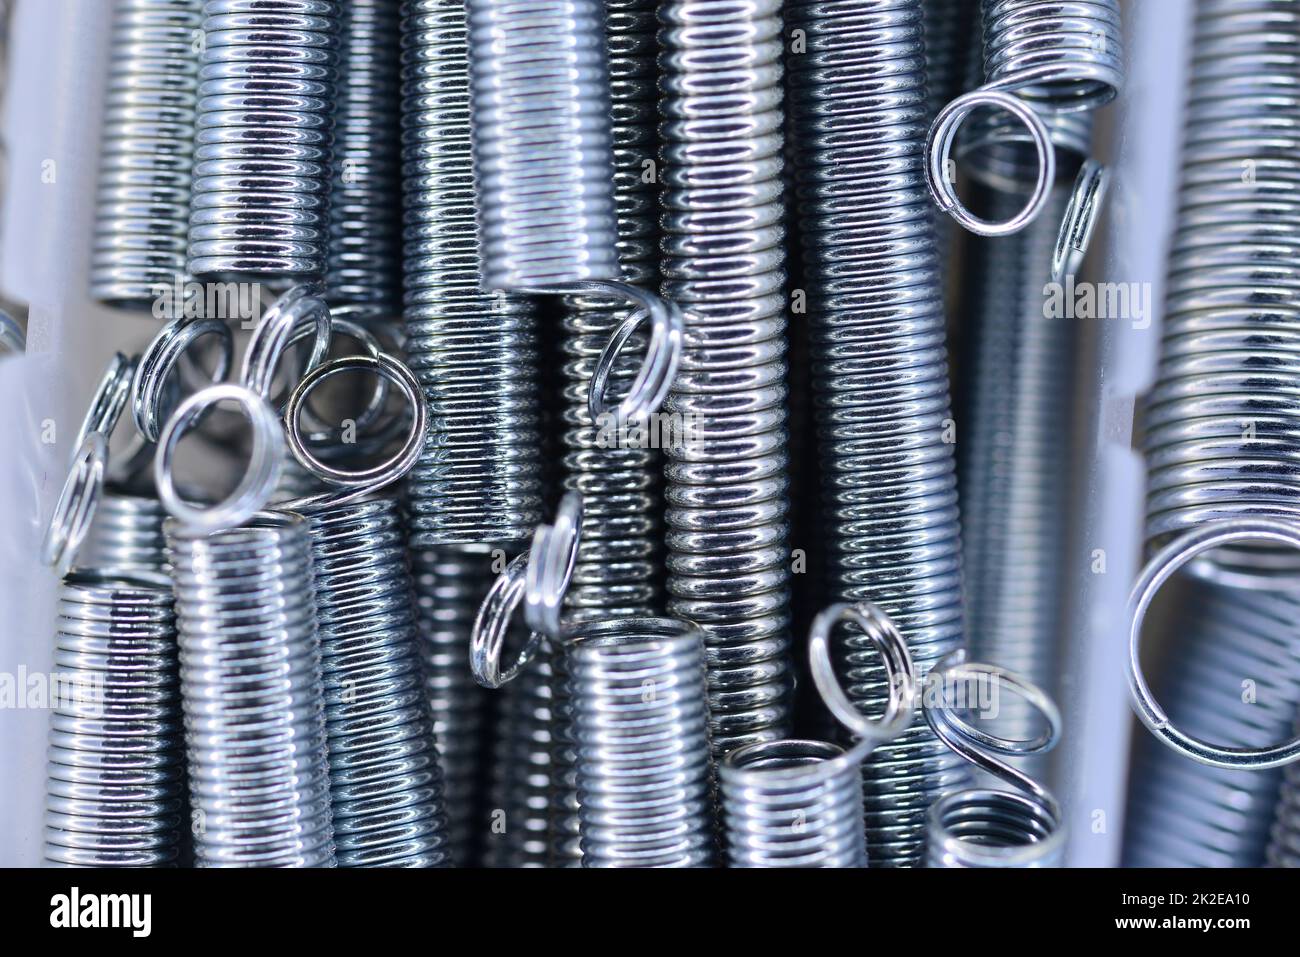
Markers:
126,535
479,480
263,148
724,264
116,780
385,782
880,374
251,683
147,148
1284,849
640,732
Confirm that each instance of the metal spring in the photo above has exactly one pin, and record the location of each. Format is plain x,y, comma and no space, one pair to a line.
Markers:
947,28
1221,422
143,207
724,262
1185,814
640,728
263,154
449,586
1284,848
115,783
251,683
385,781
880,374
365,216
126,535
479,480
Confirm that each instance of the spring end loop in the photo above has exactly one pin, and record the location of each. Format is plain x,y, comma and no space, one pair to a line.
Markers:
303,304
77,503
153,373
1081,215
663,355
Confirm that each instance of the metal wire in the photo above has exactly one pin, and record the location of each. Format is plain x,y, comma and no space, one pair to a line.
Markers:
115,780
251,683
263,156
126,535
723,262
1284,848
479,480
978,828
1185,814
880,373
640,731
147,149
385,781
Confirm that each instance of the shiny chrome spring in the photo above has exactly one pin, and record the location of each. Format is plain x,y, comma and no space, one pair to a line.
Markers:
565,824
126,535
640,728
947,28
364,263
724,263
115,786
1185,814
251,683
880,373
1221,423
479,480
543,155
813,819
385,781
979,828
1284,848
449,586
263,156
143,208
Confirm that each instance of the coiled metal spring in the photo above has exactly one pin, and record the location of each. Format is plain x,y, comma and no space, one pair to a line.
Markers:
640,729
126,535
363,270
880,374
263,157
386,785
147,149
116,780
1284,849
723,261
251,682
479,480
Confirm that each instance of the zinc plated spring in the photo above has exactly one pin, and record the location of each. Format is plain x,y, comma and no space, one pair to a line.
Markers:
880,373
251,683
978,827
724,263
263,159
115,784
798,803
126,535
1185,814
1284,848
146,152
479,481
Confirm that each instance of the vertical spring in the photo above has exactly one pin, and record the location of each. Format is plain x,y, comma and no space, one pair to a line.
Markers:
640,729
476,355
946,25
566,823
365,217
116,779
1185,814
263,155
126,535
724,263
978,828
142,211
251,684
1284,848
880,372
1220,422
385,781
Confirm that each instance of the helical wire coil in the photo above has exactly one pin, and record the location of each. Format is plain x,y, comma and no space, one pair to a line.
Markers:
126,535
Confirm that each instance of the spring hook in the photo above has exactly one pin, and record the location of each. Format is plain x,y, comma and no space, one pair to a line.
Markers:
162,363
796,803
976,827
1081,215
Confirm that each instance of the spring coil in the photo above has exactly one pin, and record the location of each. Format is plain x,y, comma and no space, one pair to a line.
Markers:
723,262
978,829
251,683
126,535
1185,814
263,155
640,729
365,218
115,784
449,586
880,374
478,481
947,28
543,155
385,781
1221,423
1284,848
142,211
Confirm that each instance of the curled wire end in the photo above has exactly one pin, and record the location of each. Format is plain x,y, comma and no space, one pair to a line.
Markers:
537,579
1159,570
303,304
149,391
663,355
1080,219
939,162
77,503
109,400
